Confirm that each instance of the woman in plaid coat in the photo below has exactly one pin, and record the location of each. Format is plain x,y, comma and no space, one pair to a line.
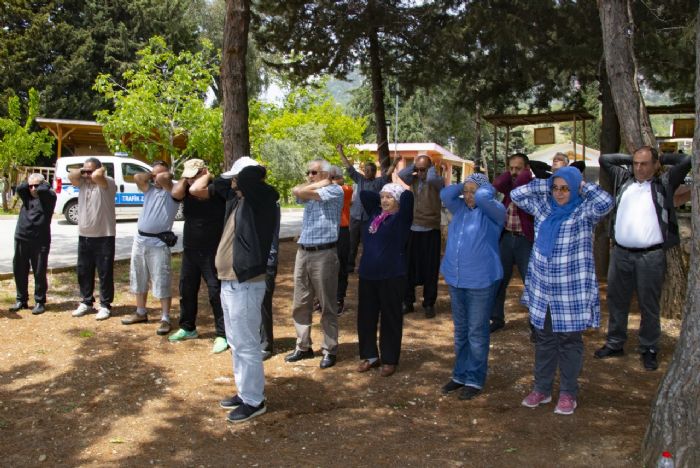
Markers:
561,289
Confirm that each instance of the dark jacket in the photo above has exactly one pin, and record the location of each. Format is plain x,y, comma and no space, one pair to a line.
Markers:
384,252
34,221
663,187
256,219
504,183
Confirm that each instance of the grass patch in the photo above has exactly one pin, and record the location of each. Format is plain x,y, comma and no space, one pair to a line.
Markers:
86,334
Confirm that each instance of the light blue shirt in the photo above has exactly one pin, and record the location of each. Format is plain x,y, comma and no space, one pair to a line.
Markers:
321,219
158,214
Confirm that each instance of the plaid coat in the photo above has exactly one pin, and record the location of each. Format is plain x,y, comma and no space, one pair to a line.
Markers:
566,283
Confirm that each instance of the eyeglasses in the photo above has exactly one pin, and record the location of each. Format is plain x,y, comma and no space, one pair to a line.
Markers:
86,172
34,185
560,188
311,172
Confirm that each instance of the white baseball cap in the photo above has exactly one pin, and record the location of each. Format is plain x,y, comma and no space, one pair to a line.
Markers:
239,165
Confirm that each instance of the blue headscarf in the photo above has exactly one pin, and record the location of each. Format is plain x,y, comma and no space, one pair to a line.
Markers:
549,228
479,179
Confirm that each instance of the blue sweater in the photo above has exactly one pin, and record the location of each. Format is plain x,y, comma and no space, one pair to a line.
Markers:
384,252
472,258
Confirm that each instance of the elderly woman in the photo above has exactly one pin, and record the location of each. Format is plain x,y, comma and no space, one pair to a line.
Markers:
472,269
382,276
561,291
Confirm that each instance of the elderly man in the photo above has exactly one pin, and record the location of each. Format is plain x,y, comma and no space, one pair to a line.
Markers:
425,181
316,264
204,210
519,233
241,264
643,227
32,241
150,253
368,180
96,230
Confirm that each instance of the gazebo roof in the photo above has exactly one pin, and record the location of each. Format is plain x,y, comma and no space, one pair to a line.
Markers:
418,148
513,120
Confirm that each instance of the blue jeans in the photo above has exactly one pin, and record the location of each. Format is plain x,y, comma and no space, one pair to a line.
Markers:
471,310
241,304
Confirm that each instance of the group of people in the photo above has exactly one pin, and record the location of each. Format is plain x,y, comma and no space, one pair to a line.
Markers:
231,240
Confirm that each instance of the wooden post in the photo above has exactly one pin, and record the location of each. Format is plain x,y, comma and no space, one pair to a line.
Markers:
507,143
574,137
583,150
495,151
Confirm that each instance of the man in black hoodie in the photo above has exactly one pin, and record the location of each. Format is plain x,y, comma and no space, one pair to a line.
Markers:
32,241
241,263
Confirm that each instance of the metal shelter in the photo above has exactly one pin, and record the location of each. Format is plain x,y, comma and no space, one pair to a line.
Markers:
517,120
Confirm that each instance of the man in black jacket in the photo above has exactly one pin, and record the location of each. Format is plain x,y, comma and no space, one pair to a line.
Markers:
643,227
33,240
241,264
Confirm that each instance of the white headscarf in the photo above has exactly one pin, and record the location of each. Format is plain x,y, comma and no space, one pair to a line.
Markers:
395,190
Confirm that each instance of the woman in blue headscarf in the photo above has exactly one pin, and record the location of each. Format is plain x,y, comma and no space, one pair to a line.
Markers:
472,269
562,291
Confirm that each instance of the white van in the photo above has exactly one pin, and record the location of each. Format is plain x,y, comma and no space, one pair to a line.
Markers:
128,200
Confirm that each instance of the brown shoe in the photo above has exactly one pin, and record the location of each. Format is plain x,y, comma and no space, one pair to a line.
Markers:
387,370
163,328
134,318
365,365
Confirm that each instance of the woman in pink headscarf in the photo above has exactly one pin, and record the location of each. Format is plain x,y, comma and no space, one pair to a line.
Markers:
382,276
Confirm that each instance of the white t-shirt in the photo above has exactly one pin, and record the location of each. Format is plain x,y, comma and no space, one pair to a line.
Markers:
636,224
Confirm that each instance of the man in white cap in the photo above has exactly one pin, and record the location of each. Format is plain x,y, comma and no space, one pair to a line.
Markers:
241,263
204,211
316,265
150,254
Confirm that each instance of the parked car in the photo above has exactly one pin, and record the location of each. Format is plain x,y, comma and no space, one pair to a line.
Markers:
128,200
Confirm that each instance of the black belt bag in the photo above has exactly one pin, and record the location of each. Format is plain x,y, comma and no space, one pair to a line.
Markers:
168,237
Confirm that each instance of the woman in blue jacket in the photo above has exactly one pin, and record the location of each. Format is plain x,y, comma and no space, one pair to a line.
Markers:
472,269
382,276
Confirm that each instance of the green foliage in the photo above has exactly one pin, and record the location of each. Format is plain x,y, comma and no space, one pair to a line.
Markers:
20,145
163,103
60,46
308,125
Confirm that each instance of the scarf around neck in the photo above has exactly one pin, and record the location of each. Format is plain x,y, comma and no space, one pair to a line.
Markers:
376,222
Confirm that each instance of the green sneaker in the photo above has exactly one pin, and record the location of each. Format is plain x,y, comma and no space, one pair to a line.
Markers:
220,345
182,335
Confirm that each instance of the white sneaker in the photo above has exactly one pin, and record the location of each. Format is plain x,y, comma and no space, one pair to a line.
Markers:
81,310
103,314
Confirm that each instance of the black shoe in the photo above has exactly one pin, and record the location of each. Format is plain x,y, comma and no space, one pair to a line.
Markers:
607,352
406,308
245,412
231,403
649,359
495,326
469,392
450,387
18,306
267,355
429,311
341,307
327,361
298,355
38,309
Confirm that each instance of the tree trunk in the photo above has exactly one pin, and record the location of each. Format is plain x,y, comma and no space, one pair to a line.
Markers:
618,34
675,416
375,68
609,143
233,81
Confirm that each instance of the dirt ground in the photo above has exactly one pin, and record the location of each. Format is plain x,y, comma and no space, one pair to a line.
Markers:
74,391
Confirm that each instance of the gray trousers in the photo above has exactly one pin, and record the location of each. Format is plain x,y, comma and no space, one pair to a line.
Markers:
552,350
316,275
630,271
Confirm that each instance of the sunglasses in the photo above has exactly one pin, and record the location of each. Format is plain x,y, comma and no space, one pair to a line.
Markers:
85,171
560,188
311,172
34,185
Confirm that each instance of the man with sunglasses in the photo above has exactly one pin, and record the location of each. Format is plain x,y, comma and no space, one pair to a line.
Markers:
32,241
316,265
425,181
97,228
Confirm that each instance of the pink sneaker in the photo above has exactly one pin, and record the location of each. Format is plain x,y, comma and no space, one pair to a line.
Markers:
535,399
566,404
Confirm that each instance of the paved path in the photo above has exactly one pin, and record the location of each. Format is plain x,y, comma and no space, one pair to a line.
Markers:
64,239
